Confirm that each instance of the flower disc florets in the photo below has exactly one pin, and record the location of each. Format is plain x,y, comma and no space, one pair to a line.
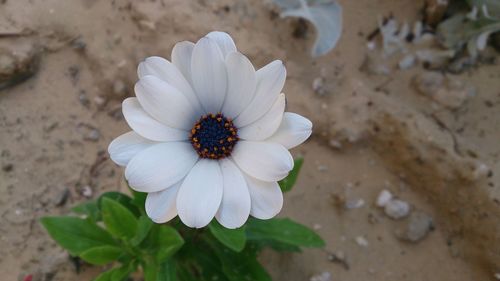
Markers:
213,136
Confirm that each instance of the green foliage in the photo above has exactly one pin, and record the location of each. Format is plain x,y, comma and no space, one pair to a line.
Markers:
287,183
101,255
118,219
284,231
234,239
76,235
117,230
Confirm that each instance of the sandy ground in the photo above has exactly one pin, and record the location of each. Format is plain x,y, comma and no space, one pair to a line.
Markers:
372,132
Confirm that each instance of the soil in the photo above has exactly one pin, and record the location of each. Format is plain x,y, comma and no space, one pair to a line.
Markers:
372,132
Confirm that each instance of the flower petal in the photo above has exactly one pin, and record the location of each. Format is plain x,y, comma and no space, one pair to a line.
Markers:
166,71
146,126
161,206
209,74
224,41
235,206
200,194
126,146
165,103
241,83
267,125
263,160
267,198
181,58
294,130
270,81
160,166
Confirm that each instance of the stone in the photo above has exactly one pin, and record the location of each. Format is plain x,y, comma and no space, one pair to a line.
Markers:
417,227
383,198
19,60
397,209
361,241
323,276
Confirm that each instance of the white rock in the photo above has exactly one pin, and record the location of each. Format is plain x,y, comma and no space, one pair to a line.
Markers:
323,276
355,203
361,241
497,276
383,198
397,209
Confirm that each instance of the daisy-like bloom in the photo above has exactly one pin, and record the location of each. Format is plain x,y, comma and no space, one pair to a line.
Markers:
209,137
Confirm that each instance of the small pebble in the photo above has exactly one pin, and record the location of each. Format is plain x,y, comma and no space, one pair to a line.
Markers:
361,241
383,198
318,87
87,191
397,209
324,276
355,203
62,197
497,276
419,224
94,135
317,226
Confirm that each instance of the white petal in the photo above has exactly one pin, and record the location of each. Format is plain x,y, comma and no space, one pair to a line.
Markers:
145,125
270,81
160,166
224,41
267,198
165,103
241,83
209,74
166,71
161,206
126,146
200,194
294,130
181,58
267,125
263,160
235,206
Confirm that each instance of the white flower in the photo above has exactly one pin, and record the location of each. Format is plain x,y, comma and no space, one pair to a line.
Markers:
210,136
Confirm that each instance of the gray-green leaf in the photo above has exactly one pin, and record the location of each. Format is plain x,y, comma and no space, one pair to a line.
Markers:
326,16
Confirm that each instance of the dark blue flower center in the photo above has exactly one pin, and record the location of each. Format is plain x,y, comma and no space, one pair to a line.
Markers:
213,136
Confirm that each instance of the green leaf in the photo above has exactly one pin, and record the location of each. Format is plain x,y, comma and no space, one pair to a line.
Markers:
75,234
144,225
240,266
199,259
234,239
162,241
276,245
139,199
283,230
90,209
125,200
116,274
287,183
118,219
166,271
101,255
